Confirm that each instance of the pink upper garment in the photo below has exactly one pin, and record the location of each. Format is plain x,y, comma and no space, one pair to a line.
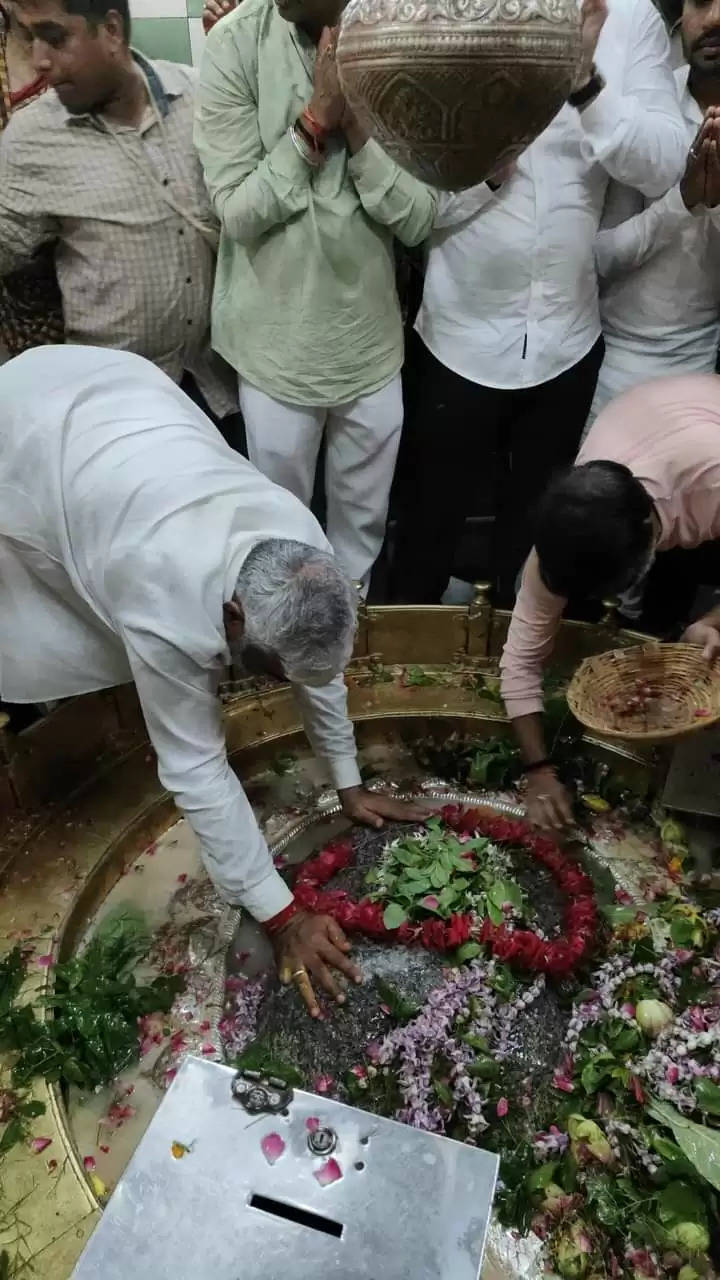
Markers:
668,433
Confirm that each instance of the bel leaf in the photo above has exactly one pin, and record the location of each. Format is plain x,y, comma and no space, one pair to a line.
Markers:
700,1144
468,951
708,1096
539,1178
394,915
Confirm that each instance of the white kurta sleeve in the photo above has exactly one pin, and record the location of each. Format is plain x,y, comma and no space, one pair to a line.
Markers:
636,132
329,729
184,721
627,246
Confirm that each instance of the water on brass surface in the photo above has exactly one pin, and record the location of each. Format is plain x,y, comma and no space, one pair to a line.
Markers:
168,883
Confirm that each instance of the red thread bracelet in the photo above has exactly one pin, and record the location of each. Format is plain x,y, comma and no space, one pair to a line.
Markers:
313,126
276,923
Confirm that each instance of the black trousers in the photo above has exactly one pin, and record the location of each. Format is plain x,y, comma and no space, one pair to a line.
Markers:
454,430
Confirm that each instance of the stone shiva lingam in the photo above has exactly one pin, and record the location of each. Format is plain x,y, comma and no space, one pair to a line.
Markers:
454,89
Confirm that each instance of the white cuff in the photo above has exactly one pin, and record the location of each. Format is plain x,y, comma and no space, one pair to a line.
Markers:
344,772
268,897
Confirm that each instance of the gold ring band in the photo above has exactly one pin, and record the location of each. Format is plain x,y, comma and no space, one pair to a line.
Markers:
299,973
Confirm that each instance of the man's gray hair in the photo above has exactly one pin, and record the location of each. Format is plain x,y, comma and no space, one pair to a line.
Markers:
299,605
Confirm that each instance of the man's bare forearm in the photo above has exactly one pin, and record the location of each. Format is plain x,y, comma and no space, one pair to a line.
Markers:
531,737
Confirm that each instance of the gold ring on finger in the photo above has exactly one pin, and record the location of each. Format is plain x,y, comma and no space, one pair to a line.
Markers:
299,973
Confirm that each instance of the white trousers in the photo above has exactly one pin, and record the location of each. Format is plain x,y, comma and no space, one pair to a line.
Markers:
362,439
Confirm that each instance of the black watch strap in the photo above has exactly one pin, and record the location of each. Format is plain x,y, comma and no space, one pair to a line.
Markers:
538,764
581,97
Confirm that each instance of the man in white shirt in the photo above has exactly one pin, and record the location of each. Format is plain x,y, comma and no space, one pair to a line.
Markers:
509,320
660,270
136,545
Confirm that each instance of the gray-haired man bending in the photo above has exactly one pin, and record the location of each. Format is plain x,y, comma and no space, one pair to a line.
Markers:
135,545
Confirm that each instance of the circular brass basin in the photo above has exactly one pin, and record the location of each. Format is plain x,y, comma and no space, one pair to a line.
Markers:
80,799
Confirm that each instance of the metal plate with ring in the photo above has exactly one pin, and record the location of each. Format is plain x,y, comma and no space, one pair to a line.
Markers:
409,1204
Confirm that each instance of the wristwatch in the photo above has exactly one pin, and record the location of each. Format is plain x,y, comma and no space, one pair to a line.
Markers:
581,97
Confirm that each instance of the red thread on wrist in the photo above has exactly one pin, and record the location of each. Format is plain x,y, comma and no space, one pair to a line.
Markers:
313,126
278,922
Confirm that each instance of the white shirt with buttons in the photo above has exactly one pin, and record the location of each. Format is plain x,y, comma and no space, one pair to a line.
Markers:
510,295
660,286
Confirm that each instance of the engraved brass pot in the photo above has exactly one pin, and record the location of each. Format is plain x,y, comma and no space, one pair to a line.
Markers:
454,89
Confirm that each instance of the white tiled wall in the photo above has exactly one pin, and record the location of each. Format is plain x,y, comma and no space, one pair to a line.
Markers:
168,28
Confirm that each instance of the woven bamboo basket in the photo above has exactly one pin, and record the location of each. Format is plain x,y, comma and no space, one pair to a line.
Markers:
647,692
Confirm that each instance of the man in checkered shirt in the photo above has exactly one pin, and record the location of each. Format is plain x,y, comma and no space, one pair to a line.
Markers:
103,165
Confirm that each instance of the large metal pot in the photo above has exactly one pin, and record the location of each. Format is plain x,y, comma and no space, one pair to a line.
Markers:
454,88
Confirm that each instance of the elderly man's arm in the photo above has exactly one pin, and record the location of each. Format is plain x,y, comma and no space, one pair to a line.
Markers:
637,132
251,191
24,225
183,717
330,731
529,643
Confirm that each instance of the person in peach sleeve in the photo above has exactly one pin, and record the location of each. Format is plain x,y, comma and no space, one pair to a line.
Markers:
646,480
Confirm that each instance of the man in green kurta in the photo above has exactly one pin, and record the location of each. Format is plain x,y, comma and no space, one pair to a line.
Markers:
305,305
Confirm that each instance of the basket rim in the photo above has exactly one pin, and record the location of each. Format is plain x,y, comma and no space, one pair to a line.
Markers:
631,652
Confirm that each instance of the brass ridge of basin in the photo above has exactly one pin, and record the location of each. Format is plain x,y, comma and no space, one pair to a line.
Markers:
80,799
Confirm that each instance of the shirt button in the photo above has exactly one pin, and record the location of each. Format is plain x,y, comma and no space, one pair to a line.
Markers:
181,231
189,322
188,279
166,182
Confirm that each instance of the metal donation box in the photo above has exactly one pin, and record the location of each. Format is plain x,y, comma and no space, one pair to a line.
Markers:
240,1178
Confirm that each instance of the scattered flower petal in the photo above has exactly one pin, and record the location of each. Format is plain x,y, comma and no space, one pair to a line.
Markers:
181,879
45,962
329,1173
312,1124
39,1144
502,1107
105,1150
323,1084
272,1147
89,1163
180,1149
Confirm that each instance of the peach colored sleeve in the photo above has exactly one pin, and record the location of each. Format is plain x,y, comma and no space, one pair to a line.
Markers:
529,643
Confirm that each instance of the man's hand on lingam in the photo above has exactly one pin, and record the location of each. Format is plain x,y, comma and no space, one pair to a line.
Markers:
310,946
374,809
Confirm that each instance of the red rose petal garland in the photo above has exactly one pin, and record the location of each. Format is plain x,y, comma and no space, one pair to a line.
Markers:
515,946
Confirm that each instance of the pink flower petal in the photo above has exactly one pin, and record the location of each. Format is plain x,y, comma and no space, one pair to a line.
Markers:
329,1173
205,1026
430,902
51,1166
272,1147
360,1073
89,1163
561,1081
312,1124
105,1150
207,1049
385,1008
181,879
45,961
323,1084
502,1107
39,1144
